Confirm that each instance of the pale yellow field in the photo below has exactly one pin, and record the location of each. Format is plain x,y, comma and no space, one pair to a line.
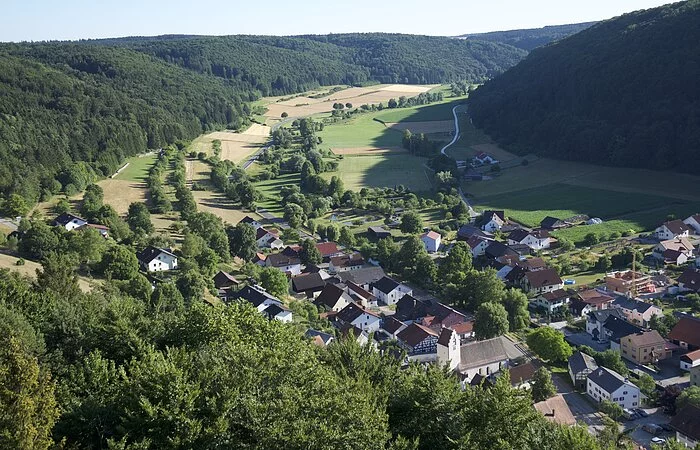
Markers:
436,126
30,267
367,150
217,204
121,193
234,146
416,89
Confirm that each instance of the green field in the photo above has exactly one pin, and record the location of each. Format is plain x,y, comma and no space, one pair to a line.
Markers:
423,113
360,131
530,206
388,170
138,168
270,190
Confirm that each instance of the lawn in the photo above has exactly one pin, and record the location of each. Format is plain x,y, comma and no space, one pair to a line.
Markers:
387,170
138,168
360,131
423,113
530,206
270,190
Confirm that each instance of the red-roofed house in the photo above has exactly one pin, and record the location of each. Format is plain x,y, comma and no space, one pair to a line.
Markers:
328,249
690,360
686,333
431,240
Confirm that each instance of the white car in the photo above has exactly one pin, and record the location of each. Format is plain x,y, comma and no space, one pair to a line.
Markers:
658,440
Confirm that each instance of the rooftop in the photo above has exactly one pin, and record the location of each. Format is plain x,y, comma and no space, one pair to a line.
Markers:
414,334
607,379
480,353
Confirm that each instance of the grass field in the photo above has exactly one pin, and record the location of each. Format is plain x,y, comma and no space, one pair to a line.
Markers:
138,167
29,269
360,131
386,170
436,111
270,190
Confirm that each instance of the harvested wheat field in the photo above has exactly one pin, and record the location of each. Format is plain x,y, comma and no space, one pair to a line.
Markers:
121,193
367,150
234,146
435,126
217,204
416,89
29,269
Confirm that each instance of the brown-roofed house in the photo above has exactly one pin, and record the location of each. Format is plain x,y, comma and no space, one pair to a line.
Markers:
345,263
310,284
671,230
557,410
689,280
541,281
686,333
644,347
417,339
686,422
333,298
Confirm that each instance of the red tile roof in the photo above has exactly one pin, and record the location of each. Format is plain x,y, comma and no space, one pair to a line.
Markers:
686,330
327,248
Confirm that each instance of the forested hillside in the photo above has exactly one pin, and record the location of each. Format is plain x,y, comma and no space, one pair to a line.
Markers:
530,39
71,112
623,92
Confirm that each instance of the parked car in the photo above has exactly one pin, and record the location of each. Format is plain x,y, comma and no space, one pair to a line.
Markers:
666,426
641,412
658,440
652,428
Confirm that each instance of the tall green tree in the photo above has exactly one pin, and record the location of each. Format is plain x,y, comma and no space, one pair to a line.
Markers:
542,385
309,254
549,344
411,222
490,320
516,303
139,218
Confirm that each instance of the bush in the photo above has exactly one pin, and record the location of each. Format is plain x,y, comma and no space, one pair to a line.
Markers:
20,262
613,410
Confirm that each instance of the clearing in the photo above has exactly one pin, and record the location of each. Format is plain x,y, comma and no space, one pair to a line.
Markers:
235,147
29,268
385,170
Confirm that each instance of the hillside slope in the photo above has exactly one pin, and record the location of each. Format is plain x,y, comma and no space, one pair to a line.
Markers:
530,38
623,92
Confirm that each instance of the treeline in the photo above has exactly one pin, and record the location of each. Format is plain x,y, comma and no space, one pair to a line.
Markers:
530,39
623,92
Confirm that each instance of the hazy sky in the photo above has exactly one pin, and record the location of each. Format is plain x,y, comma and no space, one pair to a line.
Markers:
75,19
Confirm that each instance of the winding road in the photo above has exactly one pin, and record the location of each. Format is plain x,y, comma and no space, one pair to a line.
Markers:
472,213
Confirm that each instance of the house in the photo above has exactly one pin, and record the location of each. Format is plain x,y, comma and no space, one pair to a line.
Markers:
667,250
392,327
672,230
690,360
310,284
389,291
417,339
694,223
637,311
556,410
360,295
431,314
464,330
551,301
695,376
154,259
541,281
409,308
580,366
596,321
266,239
686,333
478,245
250,221
284,263
378,232
645,347
348,331
482,358
483,158
595,299
536,239
689,281
605,384
363,277
532,264
496,250
328,250
103,230
628,282
259,259
319,337
521,375
278,312
333,298
225,283
552,223
491,221
578,308
359,317
258,297
466,231
431,241
686,422
69,221
615,329
344,263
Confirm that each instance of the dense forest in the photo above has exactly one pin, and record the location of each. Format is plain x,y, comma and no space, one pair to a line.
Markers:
530,39
72,111
623,92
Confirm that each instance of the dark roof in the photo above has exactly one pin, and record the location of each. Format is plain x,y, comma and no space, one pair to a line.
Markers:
410,308
414,334
520,249
308,282
442,311
601,315
329,296
579,361
262,232
677,226
687,422
686,330
66,218
249,220
386,285
365,275
515,275
619,328
631,304
280,260
149,253
359,291
391,325
690,278
445,336
255,295
576,305
325,337
523,372
518,235
273,310
607,379
487,216
481,353
378,231
556,295
541,278
466,231
352,311
551,222
355,259
223,279
497,249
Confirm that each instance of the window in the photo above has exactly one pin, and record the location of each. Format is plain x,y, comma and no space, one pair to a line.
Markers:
624,392
634,403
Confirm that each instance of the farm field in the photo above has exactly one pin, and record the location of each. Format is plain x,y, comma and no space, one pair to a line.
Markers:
30,267
234,146
433,112
386,170
270,190
427,127
138,168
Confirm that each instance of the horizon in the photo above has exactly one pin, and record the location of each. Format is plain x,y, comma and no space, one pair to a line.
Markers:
76,20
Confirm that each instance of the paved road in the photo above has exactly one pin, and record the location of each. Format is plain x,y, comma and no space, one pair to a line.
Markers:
444,152
580,407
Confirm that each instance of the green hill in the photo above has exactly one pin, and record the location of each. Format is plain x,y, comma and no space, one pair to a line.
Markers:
531,38
623,92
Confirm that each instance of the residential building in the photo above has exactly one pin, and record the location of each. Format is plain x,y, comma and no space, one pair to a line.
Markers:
556,410
483,158
328,250
536,239
389,291
284,263
541,281
686,422
689,281
606,384
467,231
154,259
364,277
431,241
595,299
672,230
628,282
309,284
265,238
645,347
344,263
551,301
552,223
478,245
521,375
491,221
614,329
319,337
496,250
695,376
278,312
360,295
250,221
579,308
225,280
637,311
392,327
378,232
690,360
417,339
103,230
432,314
69,221
258,297
580,366
332,298
694,223
465,330
359,317
668,250
686,333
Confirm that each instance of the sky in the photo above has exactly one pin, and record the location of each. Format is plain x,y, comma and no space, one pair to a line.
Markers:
37,20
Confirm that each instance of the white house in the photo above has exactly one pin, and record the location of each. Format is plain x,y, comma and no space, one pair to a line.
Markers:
690,360
333,298
482,358
278,312
431,241
672,230
492,221
605,384
478,245
284,263
344,263
580,366
250,221
483,158
693,222
536,240
389,291
551,301
69,221
359,317
669,249
258,297
265,238
154,259
541,281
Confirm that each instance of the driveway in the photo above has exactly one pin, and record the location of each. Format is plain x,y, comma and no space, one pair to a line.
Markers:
583,338
581,407
643,438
